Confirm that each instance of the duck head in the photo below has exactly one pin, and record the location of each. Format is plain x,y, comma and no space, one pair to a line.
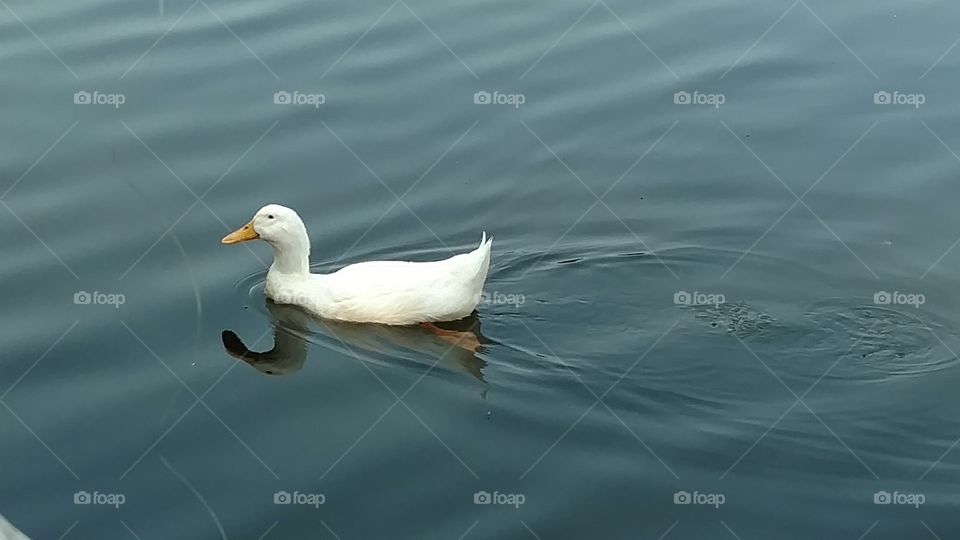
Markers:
283,229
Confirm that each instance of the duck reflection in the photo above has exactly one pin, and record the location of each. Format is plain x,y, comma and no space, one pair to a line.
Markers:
454,344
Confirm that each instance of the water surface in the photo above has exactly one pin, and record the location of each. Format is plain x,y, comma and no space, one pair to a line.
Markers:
790,397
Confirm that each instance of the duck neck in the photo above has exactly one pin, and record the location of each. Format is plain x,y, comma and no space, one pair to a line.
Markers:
292,258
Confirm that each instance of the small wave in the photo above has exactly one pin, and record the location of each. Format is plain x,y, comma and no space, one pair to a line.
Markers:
742,319
881,343
867,343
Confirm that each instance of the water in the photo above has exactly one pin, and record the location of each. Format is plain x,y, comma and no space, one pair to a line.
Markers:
789,400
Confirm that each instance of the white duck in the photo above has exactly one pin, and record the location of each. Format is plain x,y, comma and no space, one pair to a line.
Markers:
385,292
9,532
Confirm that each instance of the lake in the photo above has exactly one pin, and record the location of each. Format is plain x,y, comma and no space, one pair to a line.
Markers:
721,304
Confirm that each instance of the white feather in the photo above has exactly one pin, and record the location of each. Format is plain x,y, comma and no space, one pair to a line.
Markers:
386,292
9,532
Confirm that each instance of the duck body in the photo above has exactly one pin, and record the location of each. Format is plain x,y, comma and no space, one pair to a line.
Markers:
389,292
384,292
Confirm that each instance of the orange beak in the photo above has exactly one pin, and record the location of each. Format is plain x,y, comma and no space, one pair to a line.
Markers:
241,235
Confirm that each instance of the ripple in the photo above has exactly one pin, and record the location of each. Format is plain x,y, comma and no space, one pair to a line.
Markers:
881,343
566,295
742,319
867,343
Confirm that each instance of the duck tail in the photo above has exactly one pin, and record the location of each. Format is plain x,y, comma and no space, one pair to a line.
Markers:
483,250
484,240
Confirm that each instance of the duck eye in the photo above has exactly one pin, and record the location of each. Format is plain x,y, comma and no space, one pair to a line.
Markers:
270,216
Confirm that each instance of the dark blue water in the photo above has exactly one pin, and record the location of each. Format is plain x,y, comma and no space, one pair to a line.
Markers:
721,302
